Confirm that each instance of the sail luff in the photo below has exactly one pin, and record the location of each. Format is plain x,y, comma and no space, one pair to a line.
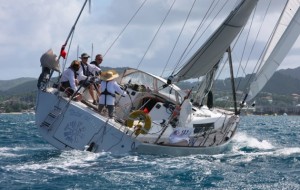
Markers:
214,48
280,50
285,18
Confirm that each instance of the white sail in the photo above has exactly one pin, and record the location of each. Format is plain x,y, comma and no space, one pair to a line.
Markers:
206,85
214,48
282,41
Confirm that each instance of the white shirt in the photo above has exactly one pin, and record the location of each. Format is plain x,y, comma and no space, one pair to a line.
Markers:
68,75
112,87
91,68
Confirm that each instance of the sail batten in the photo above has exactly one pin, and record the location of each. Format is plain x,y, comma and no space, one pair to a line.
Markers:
210,53
288,29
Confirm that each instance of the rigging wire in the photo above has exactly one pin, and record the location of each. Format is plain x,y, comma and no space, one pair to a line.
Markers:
269,40
175,45
65,60
246,42
208,13
226,60
188,16
240,66
71,34
92,51
200,24
260,29
184,55
218,75
133,16
257,64
186,51
157,33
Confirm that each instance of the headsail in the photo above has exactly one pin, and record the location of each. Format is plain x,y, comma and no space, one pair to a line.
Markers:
285,35
213,49
206,85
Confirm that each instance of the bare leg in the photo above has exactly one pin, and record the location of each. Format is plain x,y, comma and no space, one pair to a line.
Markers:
91,91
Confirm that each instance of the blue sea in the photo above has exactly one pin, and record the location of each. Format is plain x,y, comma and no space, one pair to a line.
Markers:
265,155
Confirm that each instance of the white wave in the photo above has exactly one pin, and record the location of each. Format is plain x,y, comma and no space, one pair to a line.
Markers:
266,149
30,122
287,151
22,148
19,151
10,152
243,140
69,162
248,157
8,155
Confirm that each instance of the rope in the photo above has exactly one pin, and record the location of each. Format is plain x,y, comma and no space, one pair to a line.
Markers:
176,44
260,28
65,60
186,51
244,49
124,28
188,16
156,34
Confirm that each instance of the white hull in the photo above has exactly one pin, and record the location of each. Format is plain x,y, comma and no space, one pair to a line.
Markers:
79,126
154,116
75,125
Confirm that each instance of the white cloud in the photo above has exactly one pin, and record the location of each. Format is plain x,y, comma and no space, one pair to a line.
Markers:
29,28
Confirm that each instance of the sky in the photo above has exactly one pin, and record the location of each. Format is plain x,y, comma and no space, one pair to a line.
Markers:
30,28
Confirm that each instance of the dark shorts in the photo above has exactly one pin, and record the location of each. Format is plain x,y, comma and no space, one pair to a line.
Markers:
84,83
110,108
69,92
65,87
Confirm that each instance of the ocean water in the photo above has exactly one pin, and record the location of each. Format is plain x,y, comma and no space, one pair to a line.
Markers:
265,154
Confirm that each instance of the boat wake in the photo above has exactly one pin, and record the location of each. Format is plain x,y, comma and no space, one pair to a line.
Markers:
54,161
251,147
246,143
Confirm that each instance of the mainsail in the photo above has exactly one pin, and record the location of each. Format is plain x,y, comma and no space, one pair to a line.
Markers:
286,33
214,48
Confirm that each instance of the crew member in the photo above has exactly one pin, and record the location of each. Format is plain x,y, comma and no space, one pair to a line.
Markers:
109,87
68,80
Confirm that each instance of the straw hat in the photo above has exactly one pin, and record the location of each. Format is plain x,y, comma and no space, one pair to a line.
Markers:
109,75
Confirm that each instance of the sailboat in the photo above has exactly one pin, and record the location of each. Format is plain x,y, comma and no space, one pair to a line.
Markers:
156,116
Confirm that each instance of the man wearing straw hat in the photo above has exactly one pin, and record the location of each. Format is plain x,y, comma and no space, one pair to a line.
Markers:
109,87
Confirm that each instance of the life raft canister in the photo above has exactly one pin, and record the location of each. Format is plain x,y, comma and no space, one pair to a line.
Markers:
140,120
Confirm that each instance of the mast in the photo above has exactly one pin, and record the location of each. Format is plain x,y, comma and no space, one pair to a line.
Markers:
72,29
62,50
232,80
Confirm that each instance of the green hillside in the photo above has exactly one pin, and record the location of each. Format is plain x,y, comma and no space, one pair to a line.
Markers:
8,84
19,94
